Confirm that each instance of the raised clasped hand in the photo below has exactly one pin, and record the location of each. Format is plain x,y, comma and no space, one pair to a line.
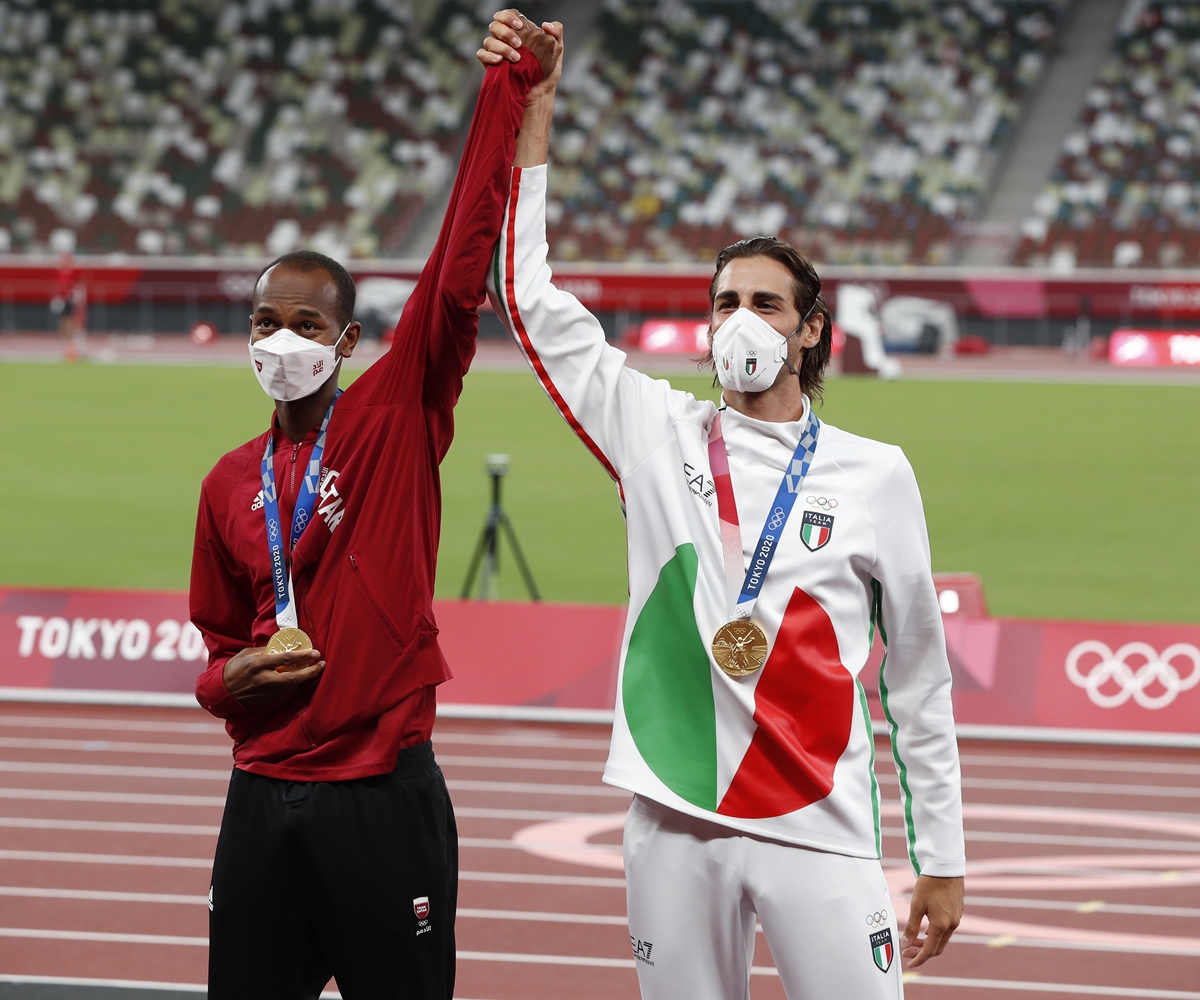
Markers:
509,31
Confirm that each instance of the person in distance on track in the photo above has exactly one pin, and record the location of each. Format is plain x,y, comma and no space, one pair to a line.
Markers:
765,549
312,583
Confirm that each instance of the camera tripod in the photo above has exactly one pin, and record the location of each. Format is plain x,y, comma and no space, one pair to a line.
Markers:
487,552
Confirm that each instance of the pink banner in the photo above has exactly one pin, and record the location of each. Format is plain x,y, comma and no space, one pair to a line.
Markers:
551,655
677,290
1107,676
1154,347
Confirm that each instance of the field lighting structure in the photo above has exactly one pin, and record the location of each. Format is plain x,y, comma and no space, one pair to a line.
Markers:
487,552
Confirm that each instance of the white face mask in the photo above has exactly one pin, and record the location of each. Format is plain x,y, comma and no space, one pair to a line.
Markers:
290,367
749,352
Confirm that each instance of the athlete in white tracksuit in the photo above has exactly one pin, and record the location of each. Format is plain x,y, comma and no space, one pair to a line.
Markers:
755,795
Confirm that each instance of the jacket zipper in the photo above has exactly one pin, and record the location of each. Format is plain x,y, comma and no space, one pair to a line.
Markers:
292,474
373,601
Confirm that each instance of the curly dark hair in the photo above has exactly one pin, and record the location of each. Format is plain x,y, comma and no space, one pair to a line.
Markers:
807,294
310,260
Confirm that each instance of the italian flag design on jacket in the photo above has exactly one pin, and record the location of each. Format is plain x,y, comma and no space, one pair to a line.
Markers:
788,752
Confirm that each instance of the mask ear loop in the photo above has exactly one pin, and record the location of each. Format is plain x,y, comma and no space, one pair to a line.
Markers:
799,327
339,340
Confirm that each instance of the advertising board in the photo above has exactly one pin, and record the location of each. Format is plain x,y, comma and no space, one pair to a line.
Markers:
1135,682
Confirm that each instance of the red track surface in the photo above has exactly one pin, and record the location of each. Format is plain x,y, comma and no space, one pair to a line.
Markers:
1085,860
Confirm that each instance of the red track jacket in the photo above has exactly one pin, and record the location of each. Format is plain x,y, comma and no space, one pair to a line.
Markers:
364,569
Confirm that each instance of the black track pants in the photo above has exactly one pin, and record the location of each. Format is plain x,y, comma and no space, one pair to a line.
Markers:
353,879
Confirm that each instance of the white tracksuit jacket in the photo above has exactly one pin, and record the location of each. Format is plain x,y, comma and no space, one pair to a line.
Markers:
786,753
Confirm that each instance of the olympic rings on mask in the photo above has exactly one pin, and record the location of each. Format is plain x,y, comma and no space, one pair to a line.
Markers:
1133,683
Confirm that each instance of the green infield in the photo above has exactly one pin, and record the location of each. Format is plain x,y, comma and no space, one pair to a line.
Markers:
1069,500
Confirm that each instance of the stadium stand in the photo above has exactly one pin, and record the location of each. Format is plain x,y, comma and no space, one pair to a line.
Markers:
1124,192
226,128
860,131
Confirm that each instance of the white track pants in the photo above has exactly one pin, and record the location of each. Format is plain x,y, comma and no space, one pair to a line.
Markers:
695,889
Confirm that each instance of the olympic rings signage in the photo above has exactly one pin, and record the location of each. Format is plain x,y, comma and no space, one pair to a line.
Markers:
1103,669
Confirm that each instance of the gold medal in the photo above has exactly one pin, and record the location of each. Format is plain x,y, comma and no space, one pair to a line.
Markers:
740,647
286,640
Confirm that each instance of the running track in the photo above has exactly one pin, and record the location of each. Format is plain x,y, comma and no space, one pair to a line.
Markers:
1085,863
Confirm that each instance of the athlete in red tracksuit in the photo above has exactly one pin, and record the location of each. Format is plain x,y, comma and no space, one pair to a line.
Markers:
338,850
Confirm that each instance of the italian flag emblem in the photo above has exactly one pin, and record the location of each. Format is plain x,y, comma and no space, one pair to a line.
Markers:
816,529
881,949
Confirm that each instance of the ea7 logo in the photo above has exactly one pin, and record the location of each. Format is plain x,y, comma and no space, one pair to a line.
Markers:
700,486
641,949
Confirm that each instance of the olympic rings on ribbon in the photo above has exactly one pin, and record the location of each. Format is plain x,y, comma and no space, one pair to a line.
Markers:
1133,683
777,519
877,919
825,503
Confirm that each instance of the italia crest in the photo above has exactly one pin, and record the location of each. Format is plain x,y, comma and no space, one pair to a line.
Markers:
751,364
816,529
881,949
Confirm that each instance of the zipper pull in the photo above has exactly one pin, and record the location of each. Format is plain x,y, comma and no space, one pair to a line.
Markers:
353,561
295,452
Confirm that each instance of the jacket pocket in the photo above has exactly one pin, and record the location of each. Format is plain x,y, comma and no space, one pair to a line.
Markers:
402,636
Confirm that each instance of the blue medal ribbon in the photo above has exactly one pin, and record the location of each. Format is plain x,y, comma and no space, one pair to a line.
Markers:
777,518
281,574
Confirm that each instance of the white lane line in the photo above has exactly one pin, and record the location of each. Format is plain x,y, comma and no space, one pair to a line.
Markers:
98,826
1075,906
45,934
125,984
536,788
125,798
1079,764
72,857
1012,837
442,735
101,895
121,725
113,746
551,918
523,878
114,771
524,763
1012,941
496,843
916,979
579,960
1076,787
482,812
